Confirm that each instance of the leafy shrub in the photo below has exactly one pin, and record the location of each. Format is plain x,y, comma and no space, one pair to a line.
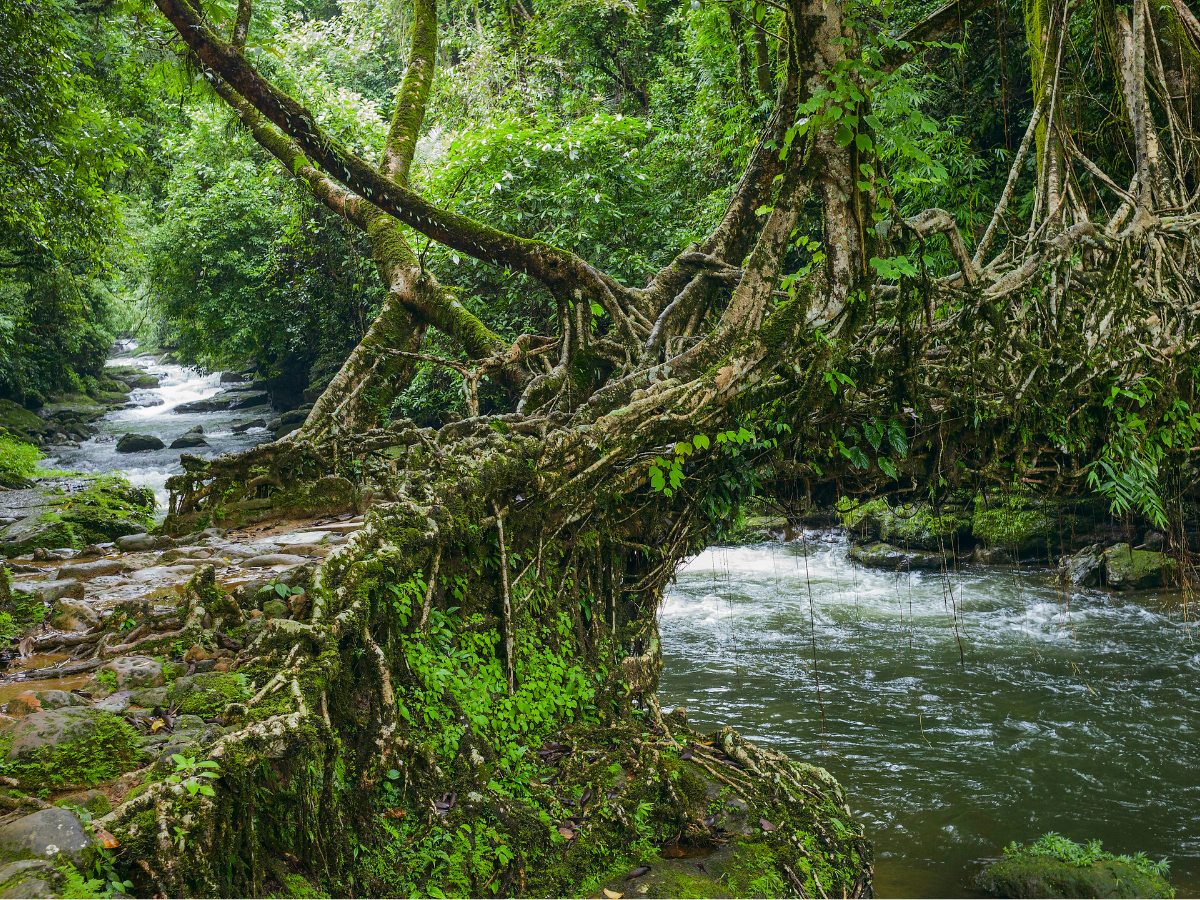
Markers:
18,461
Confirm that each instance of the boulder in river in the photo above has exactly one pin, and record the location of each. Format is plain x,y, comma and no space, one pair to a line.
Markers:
136,672
52,591
136,443
226,400
89,570
73,615
1056,867
1126,569
246,426
1084,569
886,556
193,438
139,543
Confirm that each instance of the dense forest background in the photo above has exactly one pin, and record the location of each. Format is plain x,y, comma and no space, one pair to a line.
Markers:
137,204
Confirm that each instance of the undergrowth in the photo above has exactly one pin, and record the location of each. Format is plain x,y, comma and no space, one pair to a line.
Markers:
18,460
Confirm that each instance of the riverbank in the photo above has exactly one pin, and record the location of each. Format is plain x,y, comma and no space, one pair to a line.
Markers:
156,647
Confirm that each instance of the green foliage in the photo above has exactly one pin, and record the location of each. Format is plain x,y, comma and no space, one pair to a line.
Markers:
1066,850
18,460
107,679
194,775
105,752
1129,466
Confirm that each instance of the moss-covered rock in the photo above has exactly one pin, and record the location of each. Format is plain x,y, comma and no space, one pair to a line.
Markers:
737,869
1014,521
1126,569
885,556
72,512
208,694
73,746
1056,867
21,423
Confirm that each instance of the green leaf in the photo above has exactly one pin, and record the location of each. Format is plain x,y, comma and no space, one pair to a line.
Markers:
897,439
701,441
886,467
844,136
863,142
857,457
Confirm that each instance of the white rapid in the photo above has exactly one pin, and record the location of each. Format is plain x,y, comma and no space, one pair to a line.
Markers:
155,415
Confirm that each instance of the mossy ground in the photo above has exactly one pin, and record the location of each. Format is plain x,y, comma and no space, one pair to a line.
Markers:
92,758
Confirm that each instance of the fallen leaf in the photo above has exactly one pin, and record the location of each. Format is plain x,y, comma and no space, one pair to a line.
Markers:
766,826
687,754
567,832
638,872
612,895
106,839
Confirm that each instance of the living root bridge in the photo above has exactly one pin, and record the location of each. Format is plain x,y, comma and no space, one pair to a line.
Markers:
488,606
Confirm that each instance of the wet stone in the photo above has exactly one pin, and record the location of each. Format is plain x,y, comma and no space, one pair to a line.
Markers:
136,672
273,559
136,443
30,878
89,570
46,834
73,615
51,591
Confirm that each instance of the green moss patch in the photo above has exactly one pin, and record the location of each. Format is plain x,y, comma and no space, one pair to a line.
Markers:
75,746
208,694
1013,521
1054,866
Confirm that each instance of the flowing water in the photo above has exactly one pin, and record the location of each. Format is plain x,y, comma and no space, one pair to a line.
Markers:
960,714
156,415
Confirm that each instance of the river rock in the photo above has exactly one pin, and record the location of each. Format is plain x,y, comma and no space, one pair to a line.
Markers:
135,443
272,559
1027,875
136,672
52,591
89,570
46,834
23,704
296,416
30,878
990,556
276,609
73,615
226,400
246,426
137,543
885,556
1126,569
59,699
193,438
232,378
1084,569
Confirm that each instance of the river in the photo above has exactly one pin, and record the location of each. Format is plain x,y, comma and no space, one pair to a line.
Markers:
959,714
156,416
